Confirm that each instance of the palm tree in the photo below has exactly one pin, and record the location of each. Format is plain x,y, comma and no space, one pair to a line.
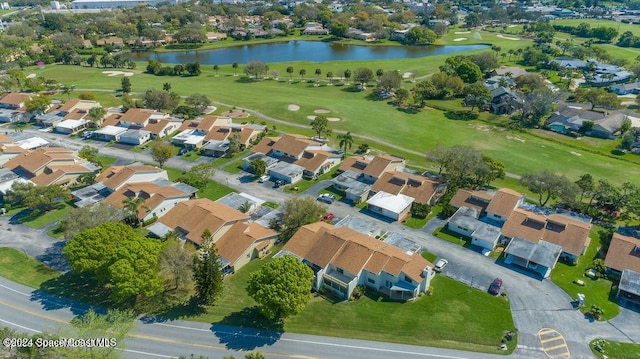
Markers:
318,73
330,77
216,68
346,141
379,73
302,73
290,72
235,68
131,206
96,114
510,52
166,87
347,75
66,90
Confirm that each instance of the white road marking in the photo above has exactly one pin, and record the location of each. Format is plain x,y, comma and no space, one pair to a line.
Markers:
20,326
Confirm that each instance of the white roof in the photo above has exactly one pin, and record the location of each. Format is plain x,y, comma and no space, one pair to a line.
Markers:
31,143
5,186
193,140
391,202
111,130
71,124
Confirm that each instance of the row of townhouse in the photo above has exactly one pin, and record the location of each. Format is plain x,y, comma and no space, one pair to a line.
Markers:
623,260
534,238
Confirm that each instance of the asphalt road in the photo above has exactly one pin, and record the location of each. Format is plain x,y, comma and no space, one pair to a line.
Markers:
535,303
33,311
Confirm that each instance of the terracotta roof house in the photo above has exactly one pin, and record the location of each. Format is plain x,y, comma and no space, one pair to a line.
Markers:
466,221
116,177
158,123
156,200
51,165
422,189
478,200
317,162
342,259
161,127
206,124
570,234
380,165
623,253
503,202
236,240
13,100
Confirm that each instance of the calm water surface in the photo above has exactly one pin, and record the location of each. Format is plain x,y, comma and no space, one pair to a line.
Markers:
315,51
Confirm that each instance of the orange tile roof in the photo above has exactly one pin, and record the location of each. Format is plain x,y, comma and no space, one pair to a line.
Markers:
53,174
312,160
352,251
152,194
623,253
4,139
194,216
292,144
265,145
33,161
111,120
419,188
379,165
14,98
115,176
137,115
504,201
248,134
571,235
157,127
218,133
69,105
240,237
12,149
478,200
354,163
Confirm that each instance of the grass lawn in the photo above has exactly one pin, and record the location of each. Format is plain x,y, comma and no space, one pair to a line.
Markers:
330,190
223,161
190,156
415,222
452,237
61,211
106,161
414,132
429,256
271,205
598,292
213,190
615,350
305,184
20,268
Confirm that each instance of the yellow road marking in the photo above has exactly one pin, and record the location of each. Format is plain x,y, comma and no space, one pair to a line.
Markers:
555,338
556,347
550,340
152,338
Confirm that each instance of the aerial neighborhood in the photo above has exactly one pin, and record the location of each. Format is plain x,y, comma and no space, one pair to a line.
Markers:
451,177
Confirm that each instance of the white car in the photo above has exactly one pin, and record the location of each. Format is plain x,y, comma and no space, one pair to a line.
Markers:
440,264
263,179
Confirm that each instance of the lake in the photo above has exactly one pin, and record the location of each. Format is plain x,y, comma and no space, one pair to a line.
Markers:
315,51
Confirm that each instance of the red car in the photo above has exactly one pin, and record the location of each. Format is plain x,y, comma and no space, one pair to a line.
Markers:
495,286
328,217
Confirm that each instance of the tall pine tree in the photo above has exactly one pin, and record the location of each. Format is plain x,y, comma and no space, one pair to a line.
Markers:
207,272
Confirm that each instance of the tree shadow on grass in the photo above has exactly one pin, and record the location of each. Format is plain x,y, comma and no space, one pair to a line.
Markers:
75,290
245,80
247,329
461,115
411,110
350,88
183,310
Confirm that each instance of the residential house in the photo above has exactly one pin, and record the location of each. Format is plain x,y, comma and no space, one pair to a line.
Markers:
360,35
623,253
569,63
70,127
569,233
269,161
48,166
502,204
70,110
287,172
189,139
135,137
626,89
157,123
421,189
7,179
570,120
342,259
237,241
316,163
394,206
372,168
217,139
539,257
465,221
629,286
115,177
12,107
216,36
109,133
504,101
156,200
111,41
314,28
349,182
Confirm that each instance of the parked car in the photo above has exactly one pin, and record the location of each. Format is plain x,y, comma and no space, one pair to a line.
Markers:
440,264
328,217
326,198
263,179
278,183
496,286
182,151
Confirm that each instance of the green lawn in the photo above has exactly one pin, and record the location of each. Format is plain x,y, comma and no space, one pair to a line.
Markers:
429,256
521,152
106,161
20,268
213,190
61,211
615,350
190,156
303,185
414,222
452,237
598,292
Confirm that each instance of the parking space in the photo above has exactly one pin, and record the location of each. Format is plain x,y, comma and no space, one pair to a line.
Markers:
553,344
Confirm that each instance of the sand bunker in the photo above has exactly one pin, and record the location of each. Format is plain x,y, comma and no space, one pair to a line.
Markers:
333,119
407,75
311,117
460,39
321,110
508,38
293,107
31,76
117,73
462,32
576,154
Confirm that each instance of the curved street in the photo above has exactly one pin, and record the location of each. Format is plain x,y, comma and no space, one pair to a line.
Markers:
535,303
